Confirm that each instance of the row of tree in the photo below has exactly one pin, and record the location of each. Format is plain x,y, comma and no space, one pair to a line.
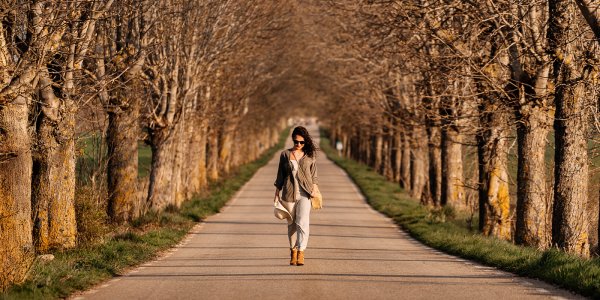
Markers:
196,80
435,93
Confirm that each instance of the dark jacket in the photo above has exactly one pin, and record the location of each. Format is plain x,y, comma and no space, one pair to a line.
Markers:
307,175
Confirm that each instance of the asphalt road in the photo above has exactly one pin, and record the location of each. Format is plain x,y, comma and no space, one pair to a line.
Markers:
353,253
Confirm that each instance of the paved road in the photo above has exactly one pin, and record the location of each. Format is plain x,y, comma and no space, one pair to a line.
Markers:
353,253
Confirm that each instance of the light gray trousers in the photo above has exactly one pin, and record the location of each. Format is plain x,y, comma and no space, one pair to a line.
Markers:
298,231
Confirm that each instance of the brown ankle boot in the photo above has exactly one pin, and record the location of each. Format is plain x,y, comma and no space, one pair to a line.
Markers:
293,257
300,261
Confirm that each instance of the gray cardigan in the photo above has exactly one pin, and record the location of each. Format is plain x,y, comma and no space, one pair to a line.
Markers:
307,175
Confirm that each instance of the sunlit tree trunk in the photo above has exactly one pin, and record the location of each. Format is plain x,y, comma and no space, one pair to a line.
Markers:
53,181
453,193
122,169
16,245
196,178
494,197
160,190
213,153
180,166
569,219
570,222
378,155
418,162
225,147
533,224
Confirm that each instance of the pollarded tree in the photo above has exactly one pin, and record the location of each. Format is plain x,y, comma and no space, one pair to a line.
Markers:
570,71
121,50
60,86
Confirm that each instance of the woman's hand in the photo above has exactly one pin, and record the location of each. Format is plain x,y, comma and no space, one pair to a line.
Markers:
276,195
314,191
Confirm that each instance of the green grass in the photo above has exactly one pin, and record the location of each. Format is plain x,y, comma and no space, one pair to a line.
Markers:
81,268
454,236
144,160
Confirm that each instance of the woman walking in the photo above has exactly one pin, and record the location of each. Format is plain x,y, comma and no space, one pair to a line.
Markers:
297,179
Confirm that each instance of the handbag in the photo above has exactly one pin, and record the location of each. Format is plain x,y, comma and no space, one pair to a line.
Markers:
316,200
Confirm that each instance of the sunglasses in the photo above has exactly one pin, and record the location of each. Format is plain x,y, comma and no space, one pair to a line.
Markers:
298,142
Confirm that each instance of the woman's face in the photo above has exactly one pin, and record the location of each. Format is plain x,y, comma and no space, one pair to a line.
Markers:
298,142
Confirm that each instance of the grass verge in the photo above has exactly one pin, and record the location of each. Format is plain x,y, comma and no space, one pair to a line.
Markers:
81,268
453,236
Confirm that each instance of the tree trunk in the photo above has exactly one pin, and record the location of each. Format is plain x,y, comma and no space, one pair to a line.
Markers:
202,176
346,150
196,177
435,165
533,224
179,166
53,180
397,155
388,171
122,168
225,147
569,218
405,173
160,190
569,223
418,163
494,198
213,153
16,247
453,192
378,157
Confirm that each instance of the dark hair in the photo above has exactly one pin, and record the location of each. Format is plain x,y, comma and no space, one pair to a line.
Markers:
309,147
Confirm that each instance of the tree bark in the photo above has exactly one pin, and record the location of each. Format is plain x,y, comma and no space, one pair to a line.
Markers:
179,170
213,153
397,156
453,192
16,247
225,147
196,178
418,163
160,190
53,177
378,156
405,173
569,218
533,224
494,198
122,168
435,165
388,171
569,223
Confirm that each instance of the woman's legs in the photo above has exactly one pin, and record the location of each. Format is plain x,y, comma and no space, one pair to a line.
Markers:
292,235
301,224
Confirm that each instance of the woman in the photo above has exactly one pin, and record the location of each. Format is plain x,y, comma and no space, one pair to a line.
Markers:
297,178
